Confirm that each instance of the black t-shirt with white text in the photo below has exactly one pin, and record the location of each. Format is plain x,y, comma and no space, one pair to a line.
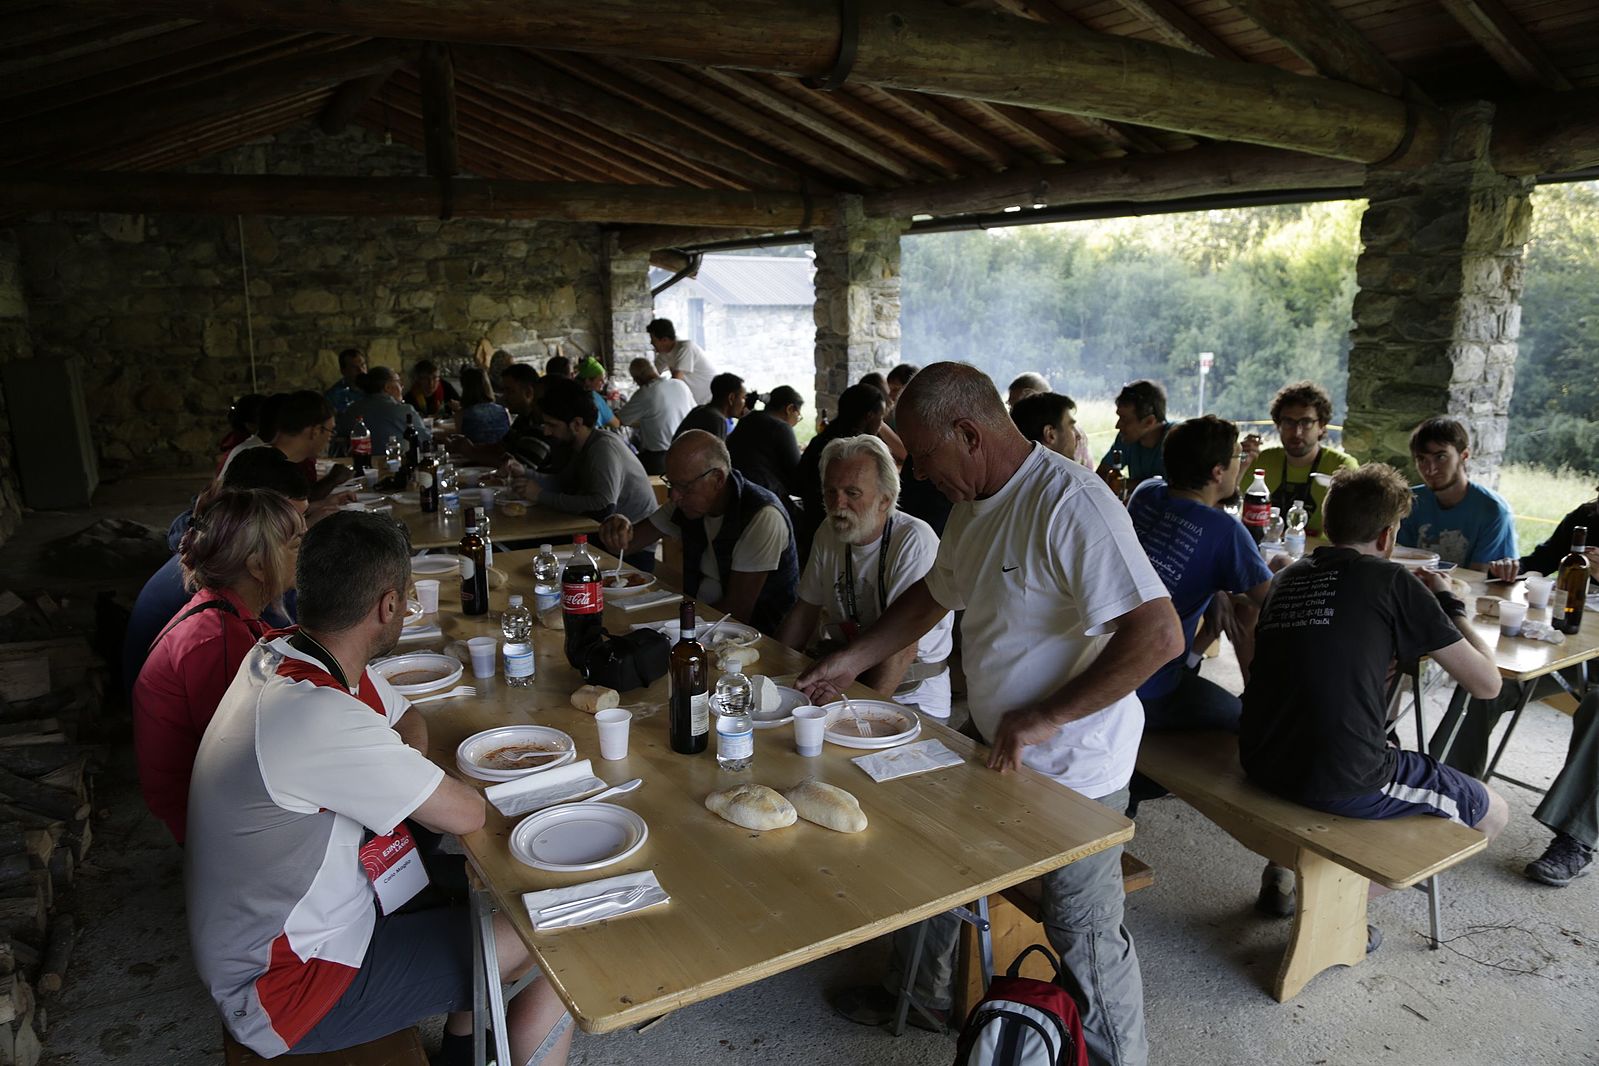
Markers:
1314,724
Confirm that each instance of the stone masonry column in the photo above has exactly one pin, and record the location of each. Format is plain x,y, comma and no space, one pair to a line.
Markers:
857,299
629,308
1439,306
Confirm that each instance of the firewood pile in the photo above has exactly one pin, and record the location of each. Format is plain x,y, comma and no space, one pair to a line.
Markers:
51,685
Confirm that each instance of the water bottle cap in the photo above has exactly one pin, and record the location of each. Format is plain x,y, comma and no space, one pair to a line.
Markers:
581,538
546,547
516,599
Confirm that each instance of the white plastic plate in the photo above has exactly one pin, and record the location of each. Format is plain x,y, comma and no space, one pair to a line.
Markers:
889,723
446,667
578,836
476,746
434,565
792,698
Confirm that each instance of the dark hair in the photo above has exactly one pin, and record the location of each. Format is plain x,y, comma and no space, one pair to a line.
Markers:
1195,448
1363,502
475,386
564,400
266,419
520,373
1032,413
876,381
348,354
267,468
1440,430
558,366
1145,397
349,561
902,374
246,411
424,366
301,410
784,395
662,328
1303,394
375,379
857,403
724,386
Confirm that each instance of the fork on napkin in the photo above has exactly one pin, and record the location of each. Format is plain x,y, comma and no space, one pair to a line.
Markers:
593,901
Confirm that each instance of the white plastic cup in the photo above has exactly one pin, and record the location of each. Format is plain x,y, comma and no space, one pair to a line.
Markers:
1538,590
613,723
809,725
1511,615
485,499
427,591
483,650
370,478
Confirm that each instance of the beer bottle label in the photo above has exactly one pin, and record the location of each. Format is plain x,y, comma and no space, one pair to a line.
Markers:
583,597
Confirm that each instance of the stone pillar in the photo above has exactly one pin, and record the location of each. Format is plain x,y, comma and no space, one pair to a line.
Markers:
857,299
1438,311
16,342
629,307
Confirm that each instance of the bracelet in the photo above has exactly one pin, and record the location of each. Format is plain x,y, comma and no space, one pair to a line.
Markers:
1453,605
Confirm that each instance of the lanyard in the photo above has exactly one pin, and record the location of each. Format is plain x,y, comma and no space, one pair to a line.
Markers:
308,644
850,608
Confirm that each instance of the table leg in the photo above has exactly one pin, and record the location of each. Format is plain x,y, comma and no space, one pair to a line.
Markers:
494,991
1504,742
1418,696
907,990
1454,717
479,990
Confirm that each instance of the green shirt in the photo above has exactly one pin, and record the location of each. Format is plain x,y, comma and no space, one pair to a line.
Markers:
1288,483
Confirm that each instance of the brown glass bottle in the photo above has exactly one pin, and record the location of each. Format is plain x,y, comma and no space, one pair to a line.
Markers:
1574,574
427,480
689,705
474,568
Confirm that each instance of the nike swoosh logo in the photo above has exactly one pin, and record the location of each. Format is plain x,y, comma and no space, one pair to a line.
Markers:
1008,569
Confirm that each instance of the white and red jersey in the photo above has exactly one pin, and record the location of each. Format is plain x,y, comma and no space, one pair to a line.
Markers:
293,771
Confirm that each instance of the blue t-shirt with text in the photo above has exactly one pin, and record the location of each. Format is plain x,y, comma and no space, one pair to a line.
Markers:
1197,551
1478,529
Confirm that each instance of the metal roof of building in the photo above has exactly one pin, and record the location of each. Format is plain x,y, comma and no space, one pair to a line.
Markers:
748,280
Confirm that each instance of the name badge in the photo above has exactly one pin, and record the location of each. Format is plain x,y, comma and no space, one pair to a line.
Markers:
395,868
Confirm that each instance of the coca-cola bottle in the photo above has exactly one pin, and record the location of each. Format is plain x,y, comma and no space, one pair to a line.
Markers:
582,600
360,447
1257,507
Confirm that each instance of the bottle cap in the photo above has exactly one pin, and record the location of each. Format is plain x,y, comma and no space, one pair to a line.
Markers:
516,599
549,547
581,538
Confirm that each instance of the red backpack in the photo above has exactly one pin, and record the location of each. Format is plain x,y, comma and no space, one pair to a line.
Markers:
1023,1022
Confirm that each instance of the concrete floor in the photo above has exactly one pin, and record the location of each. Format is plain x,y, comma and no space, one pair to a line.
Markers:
1517,981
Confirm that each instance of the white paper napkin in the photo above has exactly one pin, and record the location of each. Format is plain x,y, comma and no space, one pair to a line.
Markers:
907,759
654,896
429,631
653,598
1542,631
545,788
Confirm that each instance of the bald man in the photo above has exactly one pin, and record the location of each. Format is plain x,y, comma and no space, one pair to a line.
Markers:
738,542
654,412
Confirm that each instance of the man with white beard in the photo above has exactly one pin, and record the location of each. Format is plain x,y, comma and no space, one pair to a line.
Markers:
866,554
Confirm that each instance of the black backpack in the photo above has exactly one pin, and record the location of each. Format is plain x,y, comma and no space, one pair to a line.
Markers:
629,661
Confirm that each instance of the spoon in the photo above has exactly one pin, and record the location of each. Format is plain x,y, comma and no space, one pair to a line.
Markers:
706,639
617,790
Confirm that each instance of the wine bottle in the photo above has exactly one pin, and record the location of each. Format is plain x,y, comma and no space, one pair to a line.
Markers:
688,708
1573,581
474,568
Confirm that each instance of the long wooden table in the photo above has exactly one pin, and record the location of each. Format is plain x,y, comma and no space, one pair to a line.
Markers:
746,905
439,530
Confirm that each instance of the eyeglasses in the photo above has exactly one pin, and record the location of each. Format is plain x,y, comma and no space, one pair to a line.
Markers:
683,486
1304,425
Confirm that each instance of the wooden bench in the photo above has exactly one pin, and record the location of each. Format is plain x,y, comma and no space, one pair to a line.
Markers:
1334,859
1016,922
403,1048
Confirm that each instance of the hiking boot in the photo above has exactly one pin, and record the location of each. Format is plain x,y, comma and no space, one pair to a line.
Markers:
1373,939
874,1005
1565,858
1277,895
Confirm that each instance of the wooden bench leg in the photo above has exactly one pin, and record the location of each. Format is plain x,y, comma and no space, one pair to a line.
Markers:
1329,923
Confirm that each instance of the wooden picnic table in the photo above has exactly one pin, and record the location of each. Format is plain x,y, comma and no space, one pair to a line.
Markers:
440,530
1518,658
747,905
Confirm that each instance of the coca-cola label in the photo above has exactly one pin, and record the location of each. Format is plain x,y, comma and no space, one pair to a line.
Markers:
582,597
1257,514
361,445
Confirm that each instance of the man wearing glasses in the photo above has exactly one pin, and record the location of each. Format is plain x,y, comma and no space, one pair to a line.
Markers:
1301,412
738,542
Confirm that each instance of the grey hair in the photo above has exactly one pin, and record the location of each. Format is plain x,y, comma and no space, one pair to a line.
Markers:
847,448
707,446
946,392
1030,380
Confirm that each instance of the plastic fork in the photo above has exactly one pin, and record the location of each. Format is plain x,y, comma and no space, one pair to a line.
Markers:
458,690
860,725
617,897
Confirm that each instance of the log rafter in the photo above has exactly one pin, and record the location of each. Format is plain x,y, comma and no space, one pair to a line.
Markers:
1492,25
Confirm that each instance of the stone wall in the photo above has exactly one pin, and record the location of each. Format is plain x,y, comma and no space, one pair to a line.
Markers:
156,305
630,308
767,346
15,343
857,299
1439,306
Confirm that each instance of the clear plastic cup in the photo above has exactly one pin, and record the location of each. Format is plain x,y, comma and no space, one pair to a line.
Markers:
1538,590
614,723
370,478
1511,615
809,725
483,651
427,592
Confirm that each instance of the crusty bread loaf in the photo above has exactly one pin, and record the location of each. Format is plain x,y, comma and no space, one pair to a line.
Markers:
593,698
737,660
827,805
753,807
553,618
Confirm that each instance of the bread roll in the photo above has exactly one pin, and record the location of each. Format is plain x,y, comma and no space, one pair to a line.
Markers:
827,805
593,698
737,660
753,807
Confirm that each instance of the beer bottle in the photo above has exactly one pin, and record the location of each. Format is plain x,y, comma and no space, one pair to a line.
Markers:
474,568
688,706
1573,580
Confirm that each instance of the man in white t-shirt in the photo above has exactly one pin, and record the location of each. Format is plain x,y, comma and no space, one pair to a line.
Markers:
683,360
1064,619
864,557
299,857
654,412
738,542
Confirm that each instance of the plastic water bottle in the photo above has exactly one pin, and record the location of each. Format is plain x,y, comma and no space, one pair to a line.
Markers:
1298,519
735,730
546,579
1271,541
516,625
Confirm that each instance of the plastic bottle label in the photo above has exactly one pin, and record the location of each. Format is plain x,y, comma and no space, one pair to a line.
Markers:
735,738
518,660
543,601
582,597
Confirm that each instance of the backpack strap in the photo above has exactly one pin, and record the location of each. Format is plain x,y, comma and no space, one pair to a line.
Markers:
216,604
1016,966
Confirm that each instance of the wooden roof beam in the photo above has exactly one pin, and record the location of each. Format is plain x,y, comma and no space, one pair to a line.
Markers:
998,152
1055,145
904,136
1318,34
1180,29
488,152
1492,25
1551,133
349,98
659,238
919,45
438,110
1202,171
406,197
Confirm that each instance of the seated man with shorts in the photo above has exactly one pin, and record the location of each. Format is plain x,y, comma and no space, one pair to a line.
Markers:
1314,727
303,784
